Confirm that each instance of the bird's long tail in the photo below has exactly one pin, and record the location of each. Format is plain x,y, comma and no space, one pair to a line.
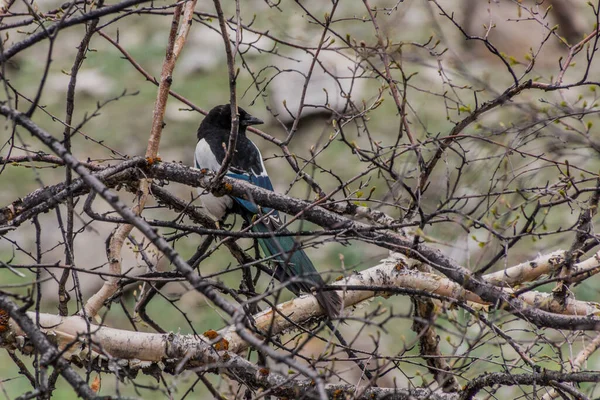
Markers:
293,262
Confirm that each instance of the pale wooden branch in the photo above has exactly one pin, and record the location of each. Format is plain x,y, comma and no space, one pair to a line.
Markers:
546,264
139,350
570,306
196,354
583,270
527,271
393,272
48,354
177,37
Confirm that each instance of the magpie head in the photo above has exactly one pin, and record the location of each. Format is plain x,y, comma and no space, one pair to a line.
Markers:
220,116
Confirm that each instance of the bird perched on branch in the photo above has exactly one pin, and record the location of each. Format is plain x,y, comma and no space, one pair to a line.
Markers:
247,165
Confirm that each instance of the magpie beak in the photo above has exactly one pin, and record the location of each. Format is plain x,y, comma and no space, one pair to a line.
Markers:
250,120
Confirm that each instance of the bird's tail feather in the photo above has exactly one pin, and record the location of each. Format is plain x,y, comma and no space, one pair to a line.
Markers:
331,302
297,264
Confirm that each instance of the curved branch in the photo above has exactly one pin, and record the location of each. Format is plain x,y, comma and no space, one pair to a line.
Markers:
47,32
49,355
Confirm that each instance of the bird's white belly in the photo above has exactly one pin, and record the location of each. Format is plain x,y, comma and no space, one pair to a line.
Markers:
216,206
204,158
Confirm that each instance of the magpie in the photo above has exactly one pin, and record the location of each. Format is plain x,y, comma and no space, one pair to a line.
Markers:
247,165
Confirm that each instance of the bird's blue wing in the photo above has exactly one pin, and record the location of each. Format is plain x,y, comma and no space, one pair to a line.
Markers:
262,181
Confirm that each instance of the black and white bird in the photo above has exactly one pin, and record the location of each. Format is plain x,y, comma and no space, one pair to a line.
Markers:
247,165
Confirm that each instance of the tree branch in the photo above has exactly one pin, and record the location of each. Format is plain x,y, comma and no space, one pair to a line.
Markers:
49,355
50,30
